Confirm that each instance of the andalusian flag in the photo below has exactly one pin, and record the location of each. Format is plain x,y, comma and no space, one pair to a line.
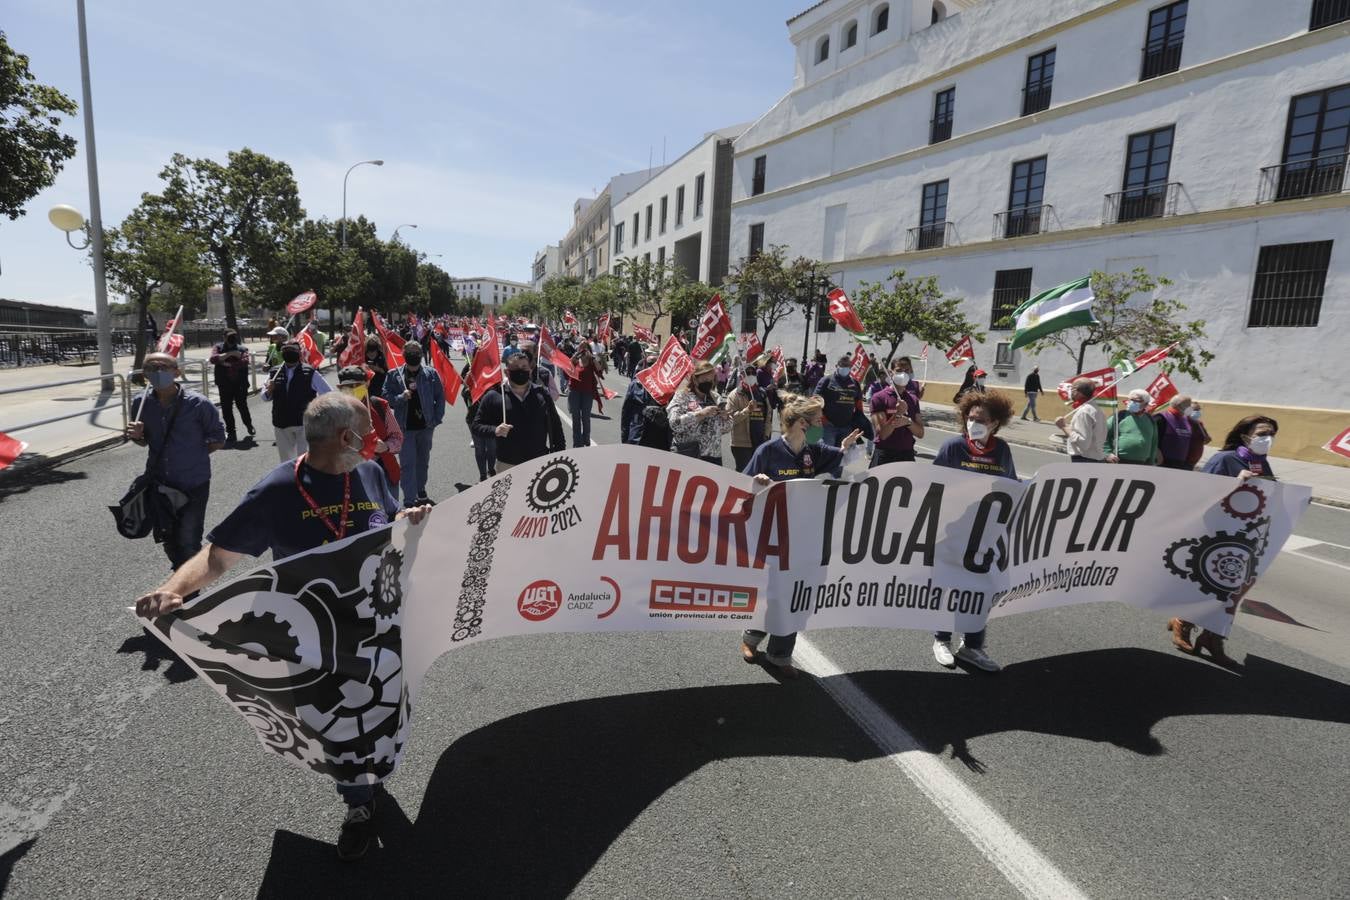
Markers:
1066,306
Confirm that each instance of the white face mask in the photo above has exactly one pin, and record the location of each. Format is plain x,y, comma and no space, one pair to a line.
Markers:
1193,413
1261,445
351,458
749,381
843,371
900,379
1135,406
978,431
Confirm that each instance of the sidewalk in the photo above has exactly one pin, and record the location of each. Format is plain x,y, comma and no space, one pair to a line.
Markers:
1330,484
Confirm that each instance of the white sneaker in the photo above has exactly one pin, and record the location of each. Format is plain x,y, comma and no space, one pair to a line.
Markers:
977,658
942,652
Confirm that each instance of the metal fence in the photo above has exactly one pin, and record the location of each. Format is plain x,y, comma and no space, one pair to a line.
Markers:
43,347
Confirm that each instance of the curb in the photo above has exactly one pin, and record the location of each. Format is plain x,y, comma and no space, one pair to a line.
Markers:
41,463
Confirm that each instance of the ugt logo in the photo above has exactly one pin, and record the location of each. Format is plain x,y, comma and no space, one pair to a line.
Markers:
1224,564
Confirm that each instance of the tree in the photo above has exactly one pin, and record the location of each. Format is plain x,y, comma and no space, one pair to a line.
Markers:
239,211
32,147
527,303
912,306
643,286
310,258
436,293
770,288
600,296
687,301
1127,326
561,293
149,258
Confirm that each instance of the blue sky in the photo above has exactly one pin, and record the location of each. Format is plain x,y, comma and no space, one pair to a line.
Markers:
492,117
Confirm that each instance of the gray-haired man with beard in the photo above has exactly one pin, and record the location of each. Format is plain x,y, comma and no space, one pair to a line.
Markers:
325,495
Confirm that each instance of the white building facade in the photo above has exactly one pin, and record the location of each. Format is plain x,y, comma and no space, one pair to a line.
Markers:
683,213
544,267
1007,147
491,292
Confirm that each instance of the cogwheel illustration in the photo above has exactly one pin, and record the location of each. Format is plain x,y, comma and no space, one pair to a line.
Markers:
553,485
256,637
1245,507
1228,566
1220,564
387,594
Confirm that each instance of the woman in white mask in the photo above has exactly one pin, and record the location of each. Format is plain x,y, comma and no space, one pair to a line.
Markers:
976,449
1244,455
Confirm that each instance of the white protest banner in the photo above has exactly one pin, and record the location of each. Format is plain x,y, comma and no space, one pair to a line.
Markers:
323,653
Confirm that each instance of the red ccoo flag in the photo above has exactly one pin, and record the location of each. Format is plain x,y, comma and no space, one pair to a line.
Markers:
753,345
313,355
449,377
486,369
842,311
672,367
548,350
858,368
568,318
354,354
644,334
10,449
963,352
393,344
1161,389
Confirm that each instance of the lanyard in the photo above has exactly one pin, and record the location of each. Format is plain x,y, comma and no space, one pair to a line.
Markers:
339,531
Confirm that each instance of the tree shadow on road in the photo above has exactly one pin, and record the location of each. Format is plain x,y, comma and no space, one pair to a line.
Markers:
30,471
176,672
527,805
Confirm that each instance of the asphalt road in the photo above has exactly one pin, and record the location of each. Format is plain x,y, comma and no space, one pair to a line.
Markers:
1099,762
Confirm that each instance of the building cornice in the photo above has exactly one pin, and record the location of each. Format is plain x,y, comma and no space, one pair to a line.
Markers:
1107,232
1273,49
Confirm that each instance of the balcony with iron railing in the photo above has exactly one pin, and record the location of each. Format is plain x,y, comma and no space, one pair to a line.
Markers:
1160,57
1022,221
1154,201
929,237
1036,97
939,130
1303,178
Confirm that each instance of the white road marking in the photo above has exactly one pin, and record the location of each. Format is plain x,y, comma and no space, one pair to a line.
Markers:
1022,864
568,419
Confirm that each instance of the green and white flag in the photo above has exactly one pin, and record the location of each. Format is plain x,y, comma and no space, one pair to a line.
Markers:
1054,310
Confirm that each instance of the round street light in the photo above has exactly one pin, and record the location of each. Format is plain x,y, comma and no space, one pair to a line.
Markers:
395,235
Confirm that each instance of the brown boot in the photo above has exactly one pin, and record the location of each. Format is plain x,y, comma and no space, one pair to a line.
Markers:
1213,643
1181,635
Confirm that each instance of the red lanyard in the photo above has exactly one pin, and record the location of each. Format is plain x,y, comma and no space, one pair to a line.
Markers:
340,531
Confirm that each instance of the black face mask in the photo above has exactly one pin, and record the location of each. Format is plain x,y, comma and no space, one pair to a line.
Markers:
704,386
413,360
291,356
518,376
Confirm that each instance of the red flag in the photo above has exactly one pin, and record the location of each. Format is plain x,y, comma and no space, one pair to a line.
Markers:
714,328
313,355
449,377
923,354
1161,389
858,368
548,350
1104,379
753,346
10,449
486,369
602,329
1340,444
354,354
776,361
672,367
393,344
1148,358
963,352
606,392
171,342
644,334
302,302
568,318
842,311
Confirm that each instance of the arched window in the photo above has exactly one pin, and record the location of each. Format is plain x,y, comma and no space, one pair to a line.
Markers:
822,49
850,35
939,11
881,19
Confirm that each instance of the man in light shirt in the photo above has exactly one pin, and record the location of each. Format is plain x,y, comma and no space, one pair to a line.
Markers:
1085,428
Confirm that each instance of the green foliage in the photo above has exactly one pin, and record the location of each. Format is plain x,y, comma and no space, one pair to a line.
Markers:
32,147
645,287
1131,318
912,306
436,293
529,304
310,258
687,301
777,287
561,292
240,211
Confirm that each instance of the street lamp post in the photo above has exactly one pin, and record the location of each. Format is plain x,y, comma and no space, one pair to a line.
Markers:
395,235
364,162
104,321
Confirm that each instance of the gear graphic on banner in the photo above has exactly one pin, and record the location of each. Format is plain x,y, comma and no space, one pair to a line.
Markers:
553,485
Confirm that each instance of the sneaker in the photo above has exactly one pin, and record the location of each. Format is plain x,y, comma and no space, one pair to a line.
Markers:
942,652
977,658
354,839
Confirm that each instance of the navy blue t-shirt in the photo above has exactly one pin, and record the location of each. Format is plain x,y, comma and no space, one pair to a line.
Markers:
958,453
776,459
274,516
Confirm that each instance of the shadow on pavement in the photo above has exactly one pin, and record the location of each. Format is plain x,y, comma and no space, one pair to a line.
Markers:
28,472
9,858
155,652
527,805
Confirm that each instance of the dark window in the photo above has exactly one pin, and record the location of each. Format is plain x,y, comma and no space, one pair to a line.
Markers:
1040,76
749,313
1328,12
660,256
635,228
944,110
824,321
665,209
1012,288
761,168
618,238
1024,197
679,206
1315,144
850,35
1162,40
933,218
1144,192
823,50
647,232
756,239
881,20
1289,283
698,196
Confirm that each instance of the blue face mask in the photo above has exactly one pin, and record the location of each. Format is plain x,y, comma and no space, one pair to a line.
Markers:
160,379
